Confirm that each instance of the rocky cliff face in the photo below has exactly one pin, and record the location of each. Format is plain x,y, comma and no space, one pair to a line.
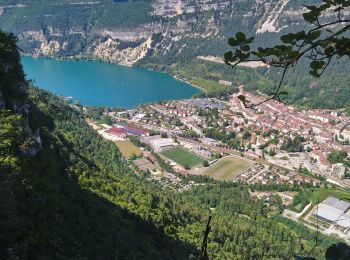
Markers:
173,8
109,50
179,22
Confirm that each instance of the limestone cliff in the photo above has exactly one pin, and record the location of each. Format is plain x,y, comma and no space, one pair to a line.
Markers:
109,51
103,30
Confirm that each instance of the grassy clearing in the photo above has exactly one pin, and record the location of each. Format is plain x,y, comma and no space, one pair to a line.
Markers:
182,157
210,85
319,222
227,168
127,148
195,68
298,207
323,193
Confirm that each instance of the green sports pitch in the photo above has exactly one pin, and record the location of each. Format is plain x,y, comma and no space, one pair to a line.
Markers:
182,157
228,168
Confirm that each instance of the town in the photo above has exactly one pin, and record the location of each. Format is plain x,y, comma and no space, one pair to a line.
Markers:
178,142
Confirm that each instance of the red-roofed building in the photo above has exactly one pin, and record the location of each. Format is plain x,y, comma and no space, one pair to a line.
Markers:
183,113
116,132
135,131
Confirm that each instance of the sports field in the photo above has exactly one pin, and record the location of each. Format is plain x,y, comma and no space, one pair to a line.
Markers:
227,168
182,157
127,148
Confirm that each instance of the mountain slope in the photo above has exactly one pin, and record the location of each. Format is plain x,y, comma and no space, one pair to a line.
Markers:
57,201
64,204
73,196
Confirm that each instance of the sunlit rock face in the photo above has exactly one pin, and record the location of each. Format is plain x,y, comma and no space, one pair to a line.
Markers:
122,31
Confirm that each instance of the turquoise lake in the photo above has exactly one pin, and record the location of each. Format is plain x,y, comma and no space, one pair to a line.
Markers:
104,84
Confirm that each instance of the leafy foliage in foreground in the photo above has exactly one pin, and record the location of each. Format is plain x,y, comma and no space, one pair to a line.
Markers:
328,39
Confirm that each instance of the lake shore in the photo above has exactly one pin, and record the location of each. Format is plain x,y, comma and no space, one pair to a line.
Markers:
105,83
80,58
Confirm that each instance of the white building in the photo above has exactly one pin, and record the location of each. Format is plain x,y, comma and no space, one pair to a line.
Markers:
346,134
334,211
338,170
138,117
225,82
159,144
320,117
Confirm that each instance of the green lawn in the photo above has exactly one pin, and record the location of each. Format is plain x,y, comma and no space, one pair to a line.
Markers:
227,168
323,193
182,157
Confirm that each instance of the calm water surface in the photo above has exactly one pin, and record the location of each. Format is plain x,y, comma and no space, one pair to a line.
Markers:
103,84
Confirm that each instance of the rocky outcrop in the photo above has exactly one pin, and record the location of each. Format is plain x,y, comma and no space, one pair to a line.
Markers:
269,21
172,8
48,49
131,34
32,36
109,50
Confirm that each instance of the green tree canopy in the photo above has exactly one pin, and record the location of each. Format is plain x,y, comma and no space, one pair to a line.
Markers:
10,140
326,39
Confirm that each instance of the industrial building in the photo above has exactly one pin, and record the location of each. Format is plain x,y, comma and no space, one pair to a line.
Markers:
206,103
134,131
159,144
113,134
116,132
334,211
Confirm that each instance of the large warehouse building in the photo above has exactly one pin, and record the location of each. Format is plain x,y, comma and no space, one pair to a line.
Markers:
159,144
334,211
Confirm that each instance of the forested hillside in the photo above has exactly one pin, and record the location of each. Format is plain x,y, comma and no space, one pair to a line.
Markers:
170,35
67,193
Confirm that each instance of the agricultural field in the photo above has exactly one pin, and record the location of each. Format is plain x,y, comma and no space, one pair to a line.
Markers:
227,168
127,148
182,157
